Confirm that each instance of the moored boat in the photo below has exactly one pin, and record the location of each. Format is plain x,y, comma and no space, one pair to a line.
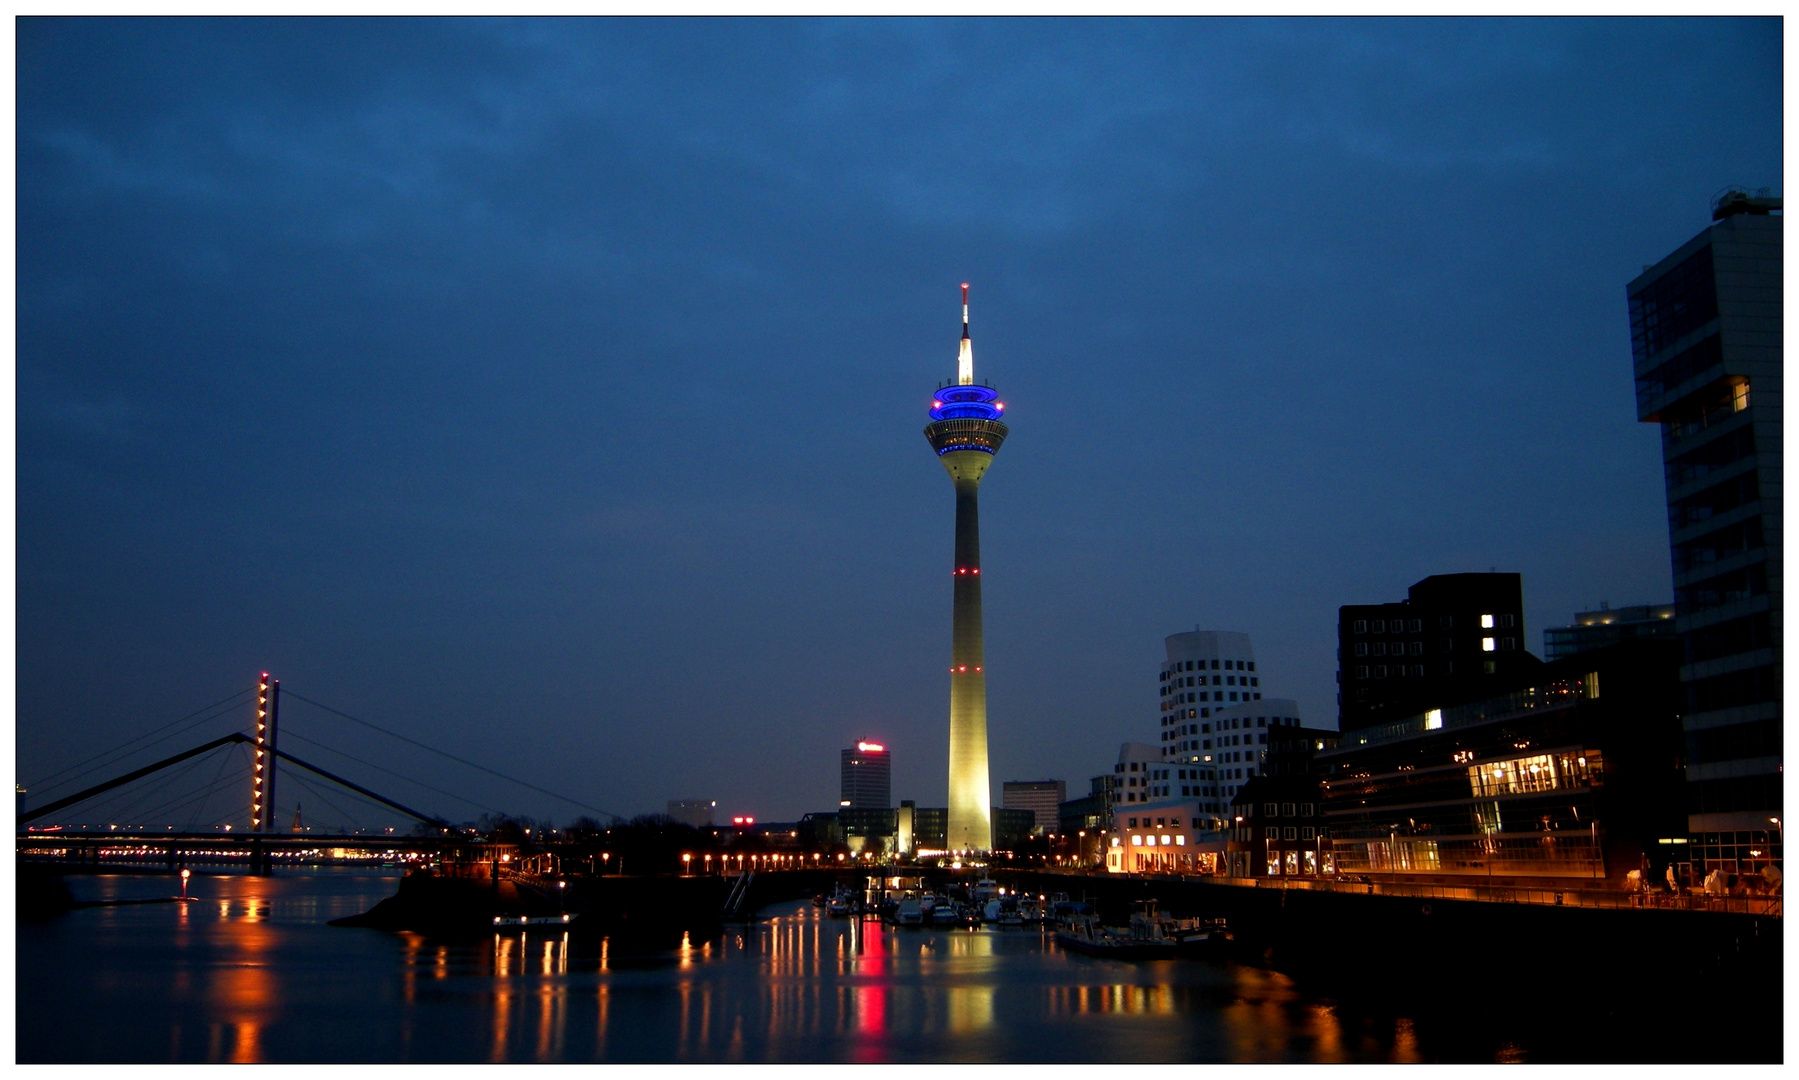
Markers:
1086,935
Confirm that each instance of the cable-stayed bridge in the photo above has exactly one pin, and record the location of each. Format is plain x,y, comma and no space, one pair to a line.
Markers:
242,796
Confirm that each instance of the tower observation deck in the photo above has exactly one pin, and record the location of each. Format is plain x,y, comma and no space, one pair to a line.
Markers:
966,432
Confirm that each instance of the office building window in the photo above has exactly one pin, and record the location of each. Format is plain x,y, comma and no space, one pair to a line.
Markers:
1360,626
1486,622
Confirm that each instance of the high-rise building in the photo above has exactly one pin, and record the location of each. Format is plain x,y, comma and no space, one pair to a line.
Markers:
867,777
1608,626
1040,797
865,800
1705,336
966,432
1454,638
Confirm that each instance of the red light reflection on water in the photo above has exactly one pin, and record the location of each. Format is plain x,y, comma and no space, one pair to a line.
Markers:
871,1000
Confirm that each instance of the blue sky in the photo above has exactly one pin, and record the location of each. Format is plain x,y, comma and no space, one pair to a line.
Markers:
552,391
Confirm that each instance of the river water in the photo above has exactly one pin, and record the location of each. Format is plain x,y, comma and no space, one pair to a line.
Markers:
250,972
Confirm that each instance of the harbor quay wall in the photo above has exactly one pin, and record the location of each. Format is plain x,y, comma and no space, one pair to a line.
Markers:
1371,938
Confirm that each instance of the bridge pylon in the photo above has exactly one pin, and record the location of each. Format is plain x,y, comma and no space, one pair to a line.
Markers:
262,775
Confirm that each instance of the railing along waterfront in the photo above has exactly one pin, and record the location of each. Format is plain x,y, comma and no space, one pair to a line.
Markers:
1769,905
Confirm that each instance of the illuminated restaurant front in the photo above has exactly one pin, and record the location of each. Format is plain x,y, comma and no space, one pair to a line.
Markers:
1165,837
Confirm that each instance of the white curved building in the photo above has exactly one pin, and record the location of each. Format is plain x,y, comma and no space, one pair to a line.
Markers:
1214,720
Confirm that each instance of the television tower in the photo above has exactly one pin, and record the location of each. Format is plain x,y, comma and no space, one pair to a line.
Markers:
965,430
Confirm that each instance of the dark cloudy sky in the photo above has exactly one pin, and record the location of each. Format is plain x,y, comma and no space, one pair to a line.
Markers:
551,392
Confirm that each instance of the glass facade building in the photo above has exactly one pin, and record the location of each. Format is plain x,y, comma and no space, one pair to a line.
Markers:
1574,775
1608,626
1705,329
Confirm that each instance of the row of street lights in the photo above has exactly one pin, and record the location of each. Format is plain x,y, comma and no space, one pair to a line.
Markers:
769,861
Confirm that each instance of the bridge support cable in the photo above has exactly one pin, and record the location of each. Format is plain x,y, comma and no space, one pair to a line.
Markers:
365,792
125,805
453,757
390,772
135,774
346,819
58,779
218,784
235,737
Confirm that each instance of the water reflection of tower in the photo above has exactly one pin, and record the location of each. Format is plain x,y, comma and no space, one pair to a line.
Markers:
966,432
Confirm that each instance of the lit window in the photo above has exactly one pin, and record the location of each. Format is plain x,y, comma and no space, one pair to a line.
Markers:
1487,644
1486,622
1136,841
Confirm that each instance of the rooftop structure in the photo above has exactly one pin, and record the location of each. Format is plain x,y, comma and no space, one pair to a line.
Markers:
1608,626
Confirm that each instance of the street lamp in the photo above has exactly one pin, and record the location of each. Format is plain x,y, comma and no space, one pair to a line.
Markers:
185,874
561,896
686,864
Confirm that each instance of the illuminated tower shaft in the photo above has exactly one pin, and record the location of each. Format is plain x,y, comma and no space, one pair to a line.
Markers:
966,432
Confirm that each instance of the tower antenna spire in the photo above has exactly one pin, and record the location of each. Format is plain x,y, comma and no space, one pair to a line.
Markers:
965,358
